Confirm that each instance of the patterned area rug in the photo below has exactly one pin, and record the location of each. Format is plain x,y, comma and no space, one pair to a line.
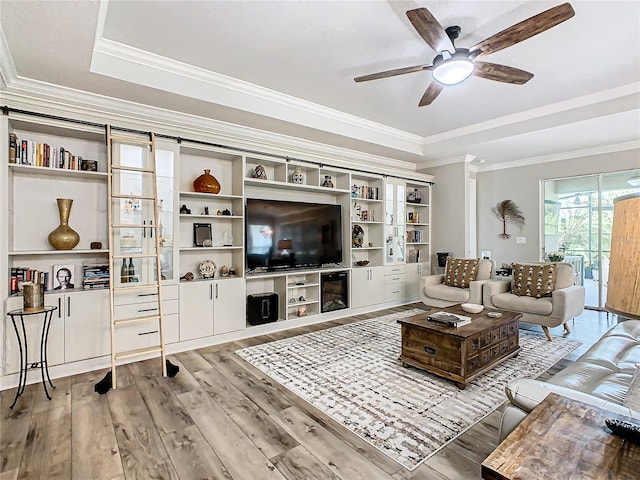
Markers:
352,373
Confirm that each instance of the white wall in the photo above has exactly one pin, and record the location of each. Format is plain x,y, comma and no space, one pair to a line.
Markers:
448,228
520,184
523,186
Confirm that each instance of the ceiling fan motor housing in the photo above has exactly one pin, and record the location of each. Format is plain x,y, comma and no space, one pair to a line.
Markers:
453,32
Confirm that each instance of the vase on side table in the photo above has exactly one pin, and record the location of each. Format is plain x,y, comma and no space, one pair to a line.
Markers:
64,237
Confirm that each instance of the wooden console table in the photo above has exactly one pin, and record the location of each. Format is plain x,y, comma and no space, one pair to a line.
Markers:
563,439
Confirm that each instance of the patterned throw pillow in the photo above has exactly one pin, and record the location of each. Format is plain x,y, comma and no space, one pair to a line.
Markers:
460,272
533,280
632,398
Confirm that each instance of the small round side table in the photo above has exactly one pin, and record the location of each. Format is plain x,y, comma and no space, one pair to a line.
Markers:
24,361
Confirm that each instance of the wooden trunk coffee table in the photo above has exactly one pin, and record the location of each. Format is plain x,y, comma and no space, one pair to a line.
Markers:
463,353
563,439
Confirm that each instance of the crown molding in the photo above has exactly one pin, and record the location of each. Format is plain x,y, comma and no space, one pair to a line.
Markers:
586,152
7,68
465,158
138,66
40,96
535,113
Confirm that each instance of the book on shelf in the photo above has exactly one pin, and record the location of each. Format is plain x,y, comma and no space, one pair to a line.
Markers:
449,319
19,275
29,152
95,275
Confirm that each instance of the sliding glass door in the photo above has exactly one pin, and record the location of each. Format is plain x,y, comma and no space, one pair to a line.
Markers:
578,215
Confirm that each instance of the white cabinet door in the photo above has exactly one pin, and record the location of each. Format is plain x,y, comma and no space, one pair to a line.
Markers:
394,221
86,324
415,271
229,305
33,327
367,286
196,310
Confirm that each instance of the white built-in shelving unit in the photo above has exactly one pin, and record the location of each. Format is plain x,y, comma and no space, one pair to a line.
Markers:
201,311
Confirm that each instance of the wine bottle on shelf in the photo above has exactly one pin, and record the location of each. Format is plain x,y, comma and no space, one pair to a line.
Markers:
124,272
131,271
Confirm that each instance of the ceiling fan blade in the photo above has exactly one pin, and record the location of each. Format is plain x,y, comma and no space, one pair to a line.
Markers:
391,73
430,30
501,73
525,29
430,95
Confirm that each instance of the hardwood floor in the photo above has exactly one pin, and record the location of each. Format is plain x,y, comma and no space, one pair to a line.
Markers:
220,418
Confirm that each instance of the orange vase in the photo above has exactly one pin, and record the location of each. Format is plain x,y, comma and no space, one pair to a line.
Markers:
206,183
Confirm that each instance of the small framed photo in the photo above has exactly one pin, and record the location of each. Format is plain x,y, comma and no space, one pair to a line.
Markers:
202,234
410,217
63,277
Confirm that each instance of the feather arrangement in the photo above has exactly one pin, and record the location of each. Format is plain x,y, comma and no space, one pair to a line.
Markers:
508,211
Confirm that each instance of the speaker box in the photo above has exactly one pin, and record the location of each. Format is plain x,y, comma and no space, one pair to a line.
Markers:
262,308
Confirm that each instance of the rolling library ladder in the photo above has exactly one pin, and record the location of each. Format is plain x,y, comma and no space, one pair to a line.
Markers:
134,251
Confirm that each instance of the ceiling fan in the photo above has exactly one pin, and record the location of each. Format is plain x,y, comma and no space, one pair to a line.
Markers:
452,65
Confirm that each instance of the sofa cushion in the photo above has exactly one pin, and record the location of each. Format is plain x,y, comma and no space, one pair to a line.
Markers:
595,380
442,292
632,398
509,301
533,280
460,272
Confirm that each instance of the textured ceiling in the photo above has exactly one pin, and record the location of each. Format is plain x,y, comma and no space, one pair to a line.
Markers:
584,93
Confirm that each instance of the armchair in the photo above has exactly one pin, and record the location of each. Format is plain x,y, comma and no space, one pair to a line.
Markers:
435,293
566,300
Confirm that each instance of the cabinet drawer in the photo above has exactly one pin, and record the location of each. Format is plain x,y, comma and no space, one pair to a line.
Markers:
395,269
137,335
169,292
394,291
397,278
171,328
142,309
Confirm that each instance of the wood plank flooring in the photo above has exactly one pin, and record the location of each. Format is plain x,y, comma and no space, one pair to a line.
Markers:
220,418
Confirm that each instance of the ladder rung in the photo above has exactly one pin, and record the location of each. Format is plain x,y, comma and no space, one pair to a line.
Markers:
135,353
132,141
134,197
136,287
137,255
132,225
135,320
132,169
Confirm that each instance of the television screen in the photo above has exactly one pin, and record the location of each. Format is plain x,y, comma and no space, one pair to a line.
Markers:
282,234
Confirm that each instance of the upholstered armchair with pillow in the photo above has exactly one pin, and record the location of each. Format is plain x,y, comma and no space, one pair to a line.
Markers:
543,292
461,283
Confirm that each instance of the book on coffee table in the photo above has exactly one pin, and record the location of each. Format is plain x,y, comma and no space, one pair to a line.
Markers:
449,319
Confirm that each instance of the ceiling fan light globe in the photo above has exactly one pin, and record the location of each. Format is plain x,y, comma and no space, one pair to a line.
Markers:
453,71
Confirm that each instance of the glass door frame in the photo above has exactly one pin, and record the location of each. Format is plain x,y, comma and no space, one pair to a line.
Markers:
601,188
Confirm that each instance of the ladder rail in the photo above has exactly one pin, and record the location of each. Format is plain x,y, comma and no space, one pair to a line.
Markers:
111,265
156,221
151,169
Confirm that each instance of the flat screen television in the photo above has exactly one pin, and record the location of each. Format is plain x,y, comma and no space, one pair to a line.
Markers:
284,234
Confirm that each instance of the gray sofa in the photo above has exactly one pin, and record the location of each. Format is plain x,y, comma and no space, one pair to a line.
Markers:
600,377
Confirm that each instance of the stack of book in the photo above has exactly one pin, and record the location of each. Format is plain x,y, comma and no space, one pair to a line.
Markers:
449,319
25,274
28,152
95,276
414,236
